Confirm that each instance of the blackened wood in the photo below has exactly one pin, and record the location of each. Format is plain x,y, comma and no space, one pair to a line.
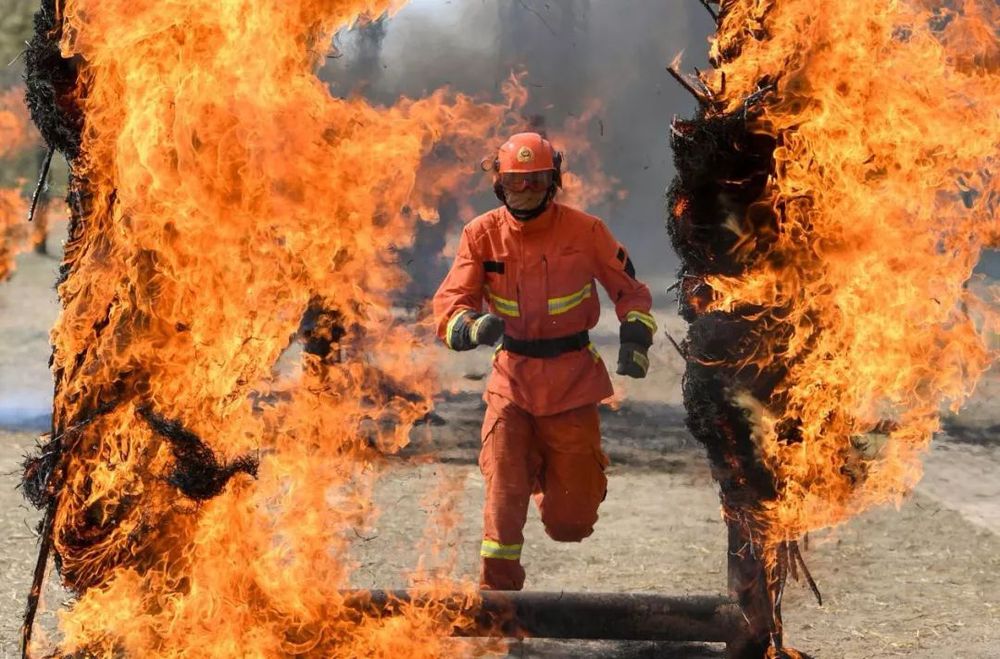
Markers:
679,77
43,177
38,581
747,585
583,616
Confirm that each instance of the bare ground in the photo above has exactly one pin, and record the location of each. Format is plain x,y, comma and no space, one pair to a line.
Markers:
923,581
920,582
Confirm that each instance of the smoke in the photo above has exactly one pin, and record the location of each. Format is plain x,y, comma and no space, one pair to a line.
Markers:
573,51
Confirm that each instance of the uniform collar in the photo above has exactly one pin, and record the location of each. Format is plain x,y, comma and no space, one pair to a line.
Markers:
541,223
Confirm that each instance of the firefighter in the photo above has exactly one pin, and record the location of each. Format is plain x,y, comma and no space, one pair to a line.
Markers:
533,261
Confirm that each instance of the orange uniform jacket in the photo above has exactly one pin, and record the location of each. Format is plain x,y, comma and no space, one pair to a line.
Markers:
539,277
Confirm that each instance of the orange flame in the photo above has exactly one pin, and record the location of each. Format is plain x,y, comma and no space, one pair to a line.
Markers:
585,184
13,230
885,184
230,193
16,133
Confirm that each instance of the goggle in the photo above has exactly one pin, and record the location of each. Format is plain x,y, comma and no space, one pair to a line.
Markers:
522,181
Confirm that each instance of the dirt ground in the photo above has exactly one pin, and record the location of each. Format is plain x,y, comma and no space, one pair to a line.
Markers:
923,581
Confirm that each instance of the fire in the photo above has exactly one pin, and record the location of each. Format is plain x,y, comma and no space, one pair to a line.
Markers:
585,184
203,500
13,210
15,126
833,195
15,136
884,184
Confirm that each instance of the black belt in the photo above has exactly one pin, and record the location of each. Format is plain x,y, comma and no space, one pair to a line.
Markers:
543,348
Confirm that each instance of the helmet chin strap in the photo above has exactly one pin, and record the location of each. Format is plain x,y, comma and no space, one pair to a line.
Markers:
531,213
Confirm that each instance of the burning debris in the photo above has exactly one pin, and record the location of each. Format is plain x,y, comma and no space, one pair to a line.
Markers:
833,194
223,204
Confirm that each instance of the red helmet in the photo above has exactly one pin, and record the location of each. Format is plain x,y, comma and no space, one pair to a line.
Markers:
526,152
526,161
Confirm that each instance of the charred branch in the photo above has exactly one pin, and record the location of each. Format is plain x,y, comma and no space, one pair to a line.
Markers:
699,95
796,558
677,346
748,587
708,8
36,473
38,579
43,177
321,330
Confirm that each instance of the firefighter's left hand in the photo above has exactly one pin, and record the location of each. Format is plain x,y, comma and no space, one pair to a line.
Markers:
633,360
633,357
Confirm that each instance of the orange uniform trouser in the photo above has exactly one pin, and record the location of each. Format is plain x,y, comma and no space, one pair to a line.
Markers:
557,458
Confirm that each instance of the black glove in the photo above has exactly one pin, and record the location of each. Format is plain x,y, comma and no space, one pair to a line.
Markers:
633,358
469,329
486,330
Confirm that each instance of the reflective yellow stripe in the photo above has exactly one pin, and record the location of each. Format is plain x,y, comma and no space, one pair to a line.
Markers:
641,359
451,326
503,305
493,549
593,352
496,351
560,305
474,330
643,318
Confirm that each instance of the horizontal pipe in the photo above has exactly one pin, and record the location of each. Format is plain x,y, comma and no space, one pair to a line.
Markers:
583,616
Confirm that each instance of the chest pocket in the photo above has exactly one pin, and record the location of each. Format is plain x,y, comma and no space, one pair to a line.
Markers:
501,287
569,281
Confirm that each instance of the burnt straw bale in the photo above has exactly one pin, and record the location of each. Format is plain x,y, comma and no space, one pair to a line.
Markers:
723,222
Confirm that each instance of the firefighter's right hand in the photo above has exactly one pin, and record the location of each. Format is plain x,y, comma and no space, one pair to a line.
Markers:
486,330
469,329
